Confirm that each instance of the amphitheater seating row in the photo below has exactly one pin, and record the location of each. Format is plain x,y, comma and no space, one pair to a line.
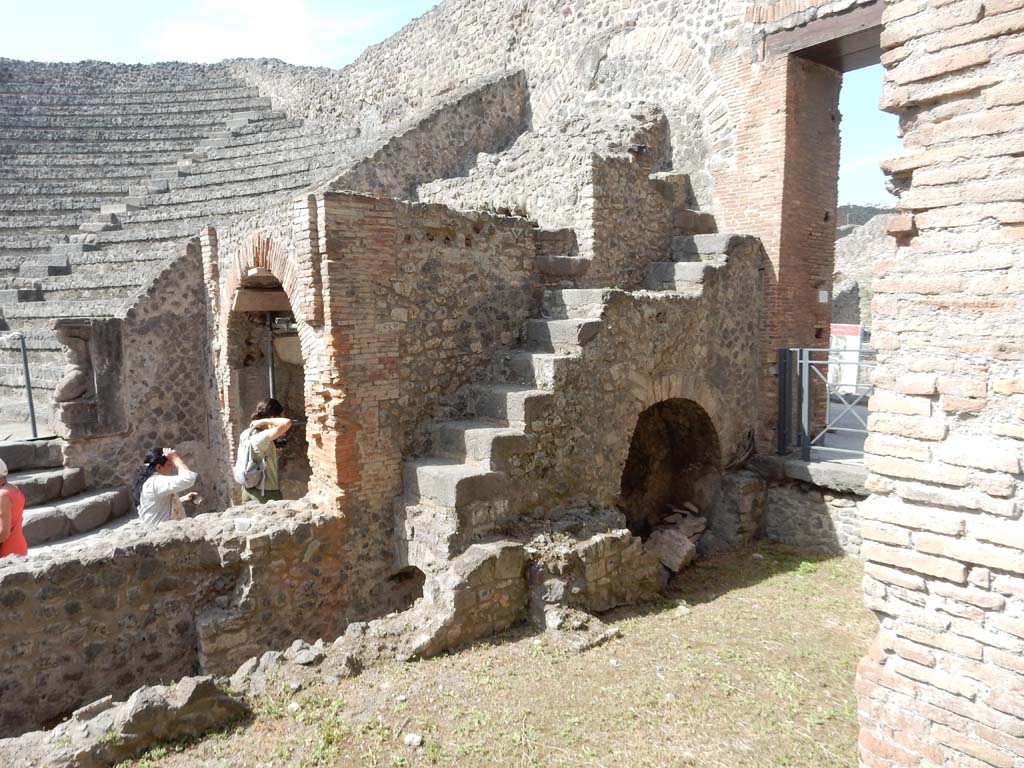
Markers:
102,180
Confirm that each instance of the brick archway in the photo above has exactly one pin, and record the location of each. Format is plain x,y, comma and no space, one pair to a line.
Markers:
268,257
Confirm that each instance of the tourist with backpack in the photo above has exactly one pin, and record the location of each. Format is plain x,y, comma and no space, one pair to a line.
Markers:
256,463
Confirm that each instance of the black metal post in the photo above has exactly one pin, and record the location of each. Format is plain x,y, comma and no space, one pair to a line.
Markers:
784,417
28,385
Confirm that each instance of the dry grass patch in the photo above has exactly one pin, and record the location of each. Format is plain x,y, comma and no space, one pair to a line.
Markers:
748,662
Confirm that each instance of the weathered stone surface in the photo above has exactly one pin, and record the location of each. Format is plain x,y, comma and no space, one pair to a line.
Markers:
44,524
106,732
739,518
674,541
164,579
812,517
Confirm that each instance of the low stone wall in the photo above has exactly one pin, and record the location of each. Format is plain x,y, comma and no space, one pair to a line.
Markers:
486,117
809,517
140,606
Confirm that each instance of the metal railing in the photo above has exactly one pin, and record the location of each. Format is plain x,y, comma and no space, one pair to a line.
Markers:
20,340
822,401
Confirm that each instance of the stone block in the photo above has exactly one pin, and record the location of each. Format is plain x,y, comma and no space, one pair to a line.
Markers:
39,486
672,547
72,482
48,453
44,524
120,503
87,512
18,455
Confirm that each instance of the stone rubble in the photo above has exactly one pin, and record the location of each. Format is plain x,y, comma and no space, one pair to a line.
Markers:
107,732
674,540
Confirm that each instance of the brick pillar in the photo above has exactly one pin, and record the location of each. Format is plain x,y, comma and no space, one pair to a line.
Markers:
783,190
943,535
358,253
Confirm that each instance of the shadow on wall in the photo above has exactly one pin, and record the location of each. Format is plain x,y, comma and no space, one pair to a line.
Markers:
812,518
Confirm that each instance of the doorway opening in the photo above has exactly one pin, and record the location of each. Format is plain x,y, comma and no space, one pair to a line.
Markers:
265,360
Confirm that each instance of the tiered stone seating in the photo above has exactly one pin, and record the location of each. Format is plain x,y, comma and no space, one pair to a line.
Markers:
101,180
57,502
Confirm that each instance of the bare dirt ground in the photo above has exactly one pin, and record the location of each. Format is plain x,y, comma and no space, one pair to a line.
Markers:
749,661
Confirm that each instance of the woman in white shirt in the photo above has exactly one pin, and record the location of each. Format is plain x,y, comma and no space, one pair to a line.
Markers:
158,481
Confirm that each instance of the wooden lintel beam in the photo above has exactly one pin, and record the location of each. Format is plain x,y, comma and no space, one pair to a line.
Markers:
845,41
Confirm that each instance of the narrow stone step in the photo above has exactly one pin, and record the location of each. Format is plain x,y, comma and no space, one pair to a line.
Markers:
536,369
568,303
71,92
560,336
43,375
479,442
8,295
78,514
682,277
129,151
121,208
216,106
51,309
62,187
141,135
23,455
431,536
45,485
516,406
53,263
75,121
704,247
452,484
562,266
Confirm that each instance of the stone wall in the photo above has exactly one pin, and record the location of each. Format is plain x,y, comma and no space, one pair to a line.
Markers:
163,386
730,111
942,538
582,442
142,606
810,517
548,173
858,249
487,118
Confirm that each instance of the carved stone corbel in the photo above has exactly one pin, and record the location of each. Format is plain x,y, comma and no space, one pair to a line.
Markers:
90,395
77,382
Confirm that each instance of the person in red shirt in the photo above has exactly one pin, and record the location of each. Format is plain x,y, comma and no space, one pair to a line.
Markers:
12,505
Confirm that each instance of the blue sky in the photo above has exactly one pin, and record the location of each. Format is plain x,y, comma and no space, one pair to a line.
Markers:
328,33
868,136
332,33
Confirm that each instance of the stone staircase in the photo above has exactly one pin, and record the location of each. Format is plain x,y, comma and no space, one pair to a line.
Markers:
57,502
100,183
461,491
693,259
459,503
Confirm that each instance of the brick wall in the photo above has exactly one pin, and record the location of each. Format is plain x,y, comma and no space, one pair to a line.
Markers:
944,542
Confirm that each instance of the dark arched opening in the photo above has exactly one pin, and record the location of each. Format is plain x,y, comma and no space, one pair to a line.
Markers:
673,465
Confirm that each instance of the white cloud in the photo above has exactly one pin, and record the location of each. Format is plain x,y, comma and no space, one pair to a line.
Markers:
870,161
225,29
